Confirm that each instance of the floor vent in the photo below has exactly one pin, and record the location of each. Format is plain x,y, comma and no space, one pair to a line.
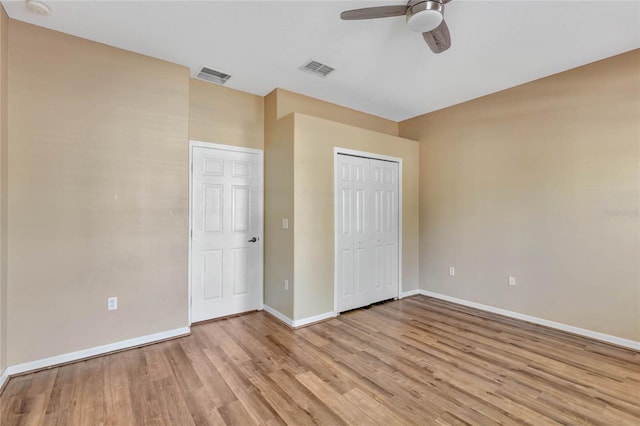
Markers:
317,68
212,76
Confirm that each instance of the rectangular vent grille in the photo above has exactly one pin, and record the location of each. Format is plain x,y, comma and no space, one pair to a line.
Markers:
212,75
317,68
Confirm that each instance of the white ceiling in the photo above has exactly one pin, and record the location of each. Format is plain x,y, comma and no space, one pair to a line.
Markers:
382,67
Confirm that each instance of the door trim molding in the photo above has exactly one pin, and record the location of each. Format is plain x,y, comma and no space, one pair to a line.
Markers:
353,152
4,379
221,147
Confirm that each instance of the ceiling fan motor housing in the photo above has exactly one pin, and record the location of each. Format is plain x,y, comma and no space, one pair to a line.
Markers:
424,16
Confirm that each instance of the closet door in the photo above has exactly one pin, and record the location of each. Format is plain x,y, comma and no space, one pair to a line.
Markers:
353,242
385,229
367,231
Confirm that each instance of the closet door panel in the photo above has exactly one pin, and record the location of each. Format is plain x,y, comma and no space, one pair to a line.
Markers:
345,234
367,231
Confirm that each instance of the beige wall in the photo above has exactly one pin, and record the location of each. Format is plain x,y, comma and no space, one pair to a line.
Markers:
222,115
4,145
290,102
98,194
278,242
542,182
299,142
314,144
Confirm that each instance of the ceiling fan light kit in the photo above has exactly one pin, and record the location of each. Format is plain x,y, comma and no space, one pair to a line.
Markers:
37,7
423,16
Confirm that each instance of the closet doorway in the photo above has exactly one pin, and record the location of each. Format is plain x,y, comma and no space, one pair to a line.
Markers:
368,213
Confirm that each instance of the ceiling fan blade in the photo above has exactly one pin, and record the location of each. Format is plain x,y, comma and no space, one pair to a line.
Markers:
438,39
374,12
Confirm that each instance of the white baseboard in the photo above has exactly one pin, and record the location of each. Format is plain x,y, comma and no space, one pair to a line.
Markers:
409,293
301,322
315,318
3,378
632,344
282,317
95,351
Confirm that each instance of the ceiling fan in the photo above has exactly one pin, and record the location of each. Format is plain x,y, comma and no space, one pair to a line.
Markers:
424,16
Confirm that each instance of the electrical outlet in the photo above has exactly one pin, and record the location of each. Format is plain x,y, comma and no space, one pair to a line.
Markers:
112,303
512,280
285,223
286,284
452,271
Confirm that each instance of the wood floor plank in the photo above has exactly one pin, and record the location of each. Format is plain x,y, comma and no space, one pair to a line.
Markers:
414,361
247,395
287,411
174,408
349,413
318,412
235,413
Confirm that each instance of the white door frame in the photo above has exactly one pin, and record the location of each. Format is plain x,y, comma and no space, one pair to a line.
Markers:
336,152
221,147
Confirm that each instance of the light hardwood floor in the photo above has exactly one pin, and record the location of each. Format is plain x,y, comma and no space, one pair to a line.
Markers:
414,361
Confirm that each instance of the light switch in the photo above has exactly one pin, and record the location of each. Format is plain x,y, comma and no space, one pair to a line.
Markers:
285,223
112,303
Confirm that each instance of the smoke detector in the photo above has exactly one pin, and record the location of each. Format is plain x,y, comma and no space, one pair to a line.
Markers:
38,7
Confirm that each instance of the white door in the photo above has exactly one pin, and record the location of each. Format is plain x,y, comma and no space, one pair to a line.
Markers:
226,223
353,272
366,231
384,183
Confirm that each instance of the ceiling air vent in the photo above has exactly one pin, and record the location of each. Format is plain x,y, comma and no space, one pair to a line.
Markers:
212,75
317,68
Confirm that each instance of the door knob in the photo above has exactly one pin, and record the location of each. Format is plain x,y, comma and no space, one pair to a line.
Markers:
253,240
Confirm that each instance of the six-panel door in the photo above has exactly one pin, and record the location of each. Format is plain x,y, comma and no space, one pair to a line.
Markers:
367,231
226,262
